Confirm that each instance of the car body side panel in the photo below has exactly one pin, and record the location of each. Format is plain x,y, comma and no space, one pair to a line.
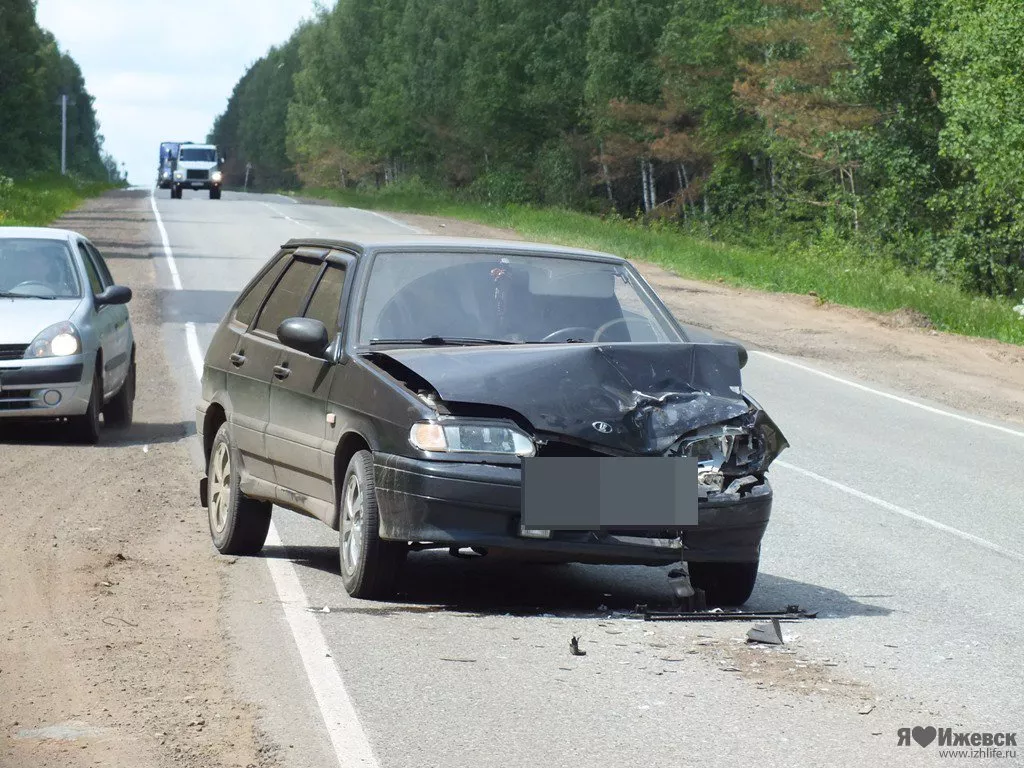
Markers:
297,428
248,387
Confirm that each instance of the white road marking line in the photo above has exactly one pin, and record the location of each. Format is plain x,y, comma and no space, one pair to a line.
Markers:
901,511
289,218
388,219
897,398
175,277
347,735
351,746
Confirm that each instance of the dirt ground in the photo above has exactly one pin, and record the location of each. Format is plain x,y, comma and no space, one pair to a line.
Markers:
897,351
111,650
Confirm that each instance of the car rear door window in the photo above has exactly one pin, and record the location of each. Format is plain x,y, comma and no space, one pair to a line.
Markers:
254,297
326,301
95,281
288,298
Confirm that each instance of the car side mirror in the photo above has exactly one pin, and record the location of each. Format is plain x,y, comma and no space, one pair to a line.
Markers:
742,351
115,294
304,334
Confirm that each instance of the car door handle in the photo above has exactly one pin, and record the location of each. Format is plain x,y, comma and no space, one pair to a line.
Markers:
236,359
281,372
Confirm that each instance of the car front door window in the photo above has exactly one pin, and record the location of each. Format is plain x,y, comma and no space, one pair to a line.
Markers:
288,298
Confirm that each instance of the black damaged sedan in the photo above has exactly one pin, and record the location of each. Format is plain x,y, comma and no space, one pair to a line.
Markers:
399,389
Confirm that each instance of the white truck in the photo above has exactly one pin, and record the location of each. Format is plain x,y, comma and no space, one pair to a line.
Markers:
197,166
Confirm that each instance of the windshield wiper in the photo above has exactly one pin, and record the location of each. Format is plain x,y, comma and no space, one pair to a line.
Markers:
443,341
9,295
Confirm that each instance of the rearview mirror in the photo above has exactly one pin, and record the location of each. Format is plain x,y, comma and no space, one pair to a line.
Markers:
304,334
115,294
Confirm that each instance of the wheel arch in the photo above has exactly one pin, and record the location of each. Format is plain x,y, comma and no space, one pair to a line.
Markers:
216,415
350,444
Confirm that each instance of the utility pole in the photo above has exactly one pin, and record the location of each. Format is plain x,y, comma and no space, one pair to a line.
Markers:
64,102
63,134
248,167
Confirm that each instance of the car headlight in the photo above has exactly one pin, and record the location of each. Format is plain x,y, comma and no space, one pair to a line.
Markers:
166,175
59,340
470,436
179,175
217,176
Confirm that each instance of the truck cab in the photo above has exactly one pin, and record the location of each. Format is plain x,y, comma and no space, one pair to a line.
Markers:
168,155
197,166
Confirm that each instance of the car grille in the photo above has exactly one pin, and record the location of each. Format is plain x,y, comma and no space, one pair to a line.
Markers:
192,175
12,351
16,399
558,448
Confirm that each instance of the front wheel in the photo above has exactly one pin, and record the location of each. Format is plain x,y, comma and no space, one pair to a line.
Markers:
370,566
215,194
86,428
238,524
119,411
724,583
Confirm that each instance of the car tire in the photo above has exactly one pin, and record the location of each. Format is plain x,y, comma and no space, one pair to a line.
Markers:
86,428
238,524
728,584
370,566
215,194
118,413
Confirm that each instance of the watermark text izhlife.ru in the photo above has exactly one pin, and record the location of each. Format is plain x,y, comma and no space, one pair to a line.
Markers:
979,744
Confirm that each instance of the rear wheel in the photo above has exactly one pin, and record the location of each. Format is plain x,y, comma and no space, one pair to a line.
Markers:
370,566
238,524
724,583
86,428
119,411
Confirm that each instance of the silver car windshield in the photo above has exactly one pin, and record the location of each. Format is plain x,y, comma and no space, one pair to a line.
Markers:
37,268
511,298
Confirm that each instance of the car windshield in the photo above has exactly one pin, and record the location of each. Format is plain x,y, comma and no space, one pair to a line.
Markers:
466,296
37,268
198,155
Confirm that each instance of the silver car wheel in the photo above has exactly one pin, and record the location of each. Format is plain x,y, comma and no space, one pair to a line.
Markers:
352,525
220,487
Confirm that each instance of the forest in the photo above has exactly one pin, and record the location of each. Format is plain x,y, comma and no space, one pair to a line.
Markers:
33,74
894,126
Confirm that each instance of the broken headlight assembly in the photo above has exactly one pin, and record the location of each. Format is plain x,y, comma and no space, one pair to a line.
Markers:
471,436
741,453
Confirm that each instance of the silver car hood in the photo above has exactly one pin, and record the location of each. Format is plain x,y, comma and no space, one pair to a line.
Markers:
21,320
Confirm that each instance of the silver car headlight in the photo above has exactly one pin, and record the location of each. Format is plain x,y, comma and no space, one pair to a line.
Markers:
216,175
179,175
59,340
471,436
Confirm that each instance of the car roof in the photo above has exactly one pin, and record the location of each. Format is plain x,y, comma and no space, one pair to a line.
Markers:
364,244
39,233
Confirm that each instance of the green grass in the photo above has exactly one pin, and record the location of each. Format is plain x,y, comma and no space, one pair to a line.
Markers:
835,270
39,201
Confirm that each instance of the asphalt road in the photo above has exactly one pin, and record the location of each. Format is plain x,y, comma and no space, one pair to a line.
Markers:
898,520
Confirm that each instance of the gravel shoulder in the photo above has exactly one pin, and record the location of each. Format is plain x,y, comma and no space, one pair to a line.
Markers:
897,351
111,644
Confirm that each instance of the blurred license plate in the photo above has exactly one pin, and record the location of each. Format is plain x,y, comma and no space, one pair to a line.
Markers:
590,493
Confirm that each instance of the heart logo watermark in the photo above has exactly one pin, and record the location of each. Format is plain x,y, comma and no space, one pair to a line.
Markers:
924,736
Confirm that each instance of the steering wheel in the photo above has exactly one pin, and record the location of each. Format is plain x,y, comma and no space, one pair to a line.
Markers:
616,321
34,284
552,336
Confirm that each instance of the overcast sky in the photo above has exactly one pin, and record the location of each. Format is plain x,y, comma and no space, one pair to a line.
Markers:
163,71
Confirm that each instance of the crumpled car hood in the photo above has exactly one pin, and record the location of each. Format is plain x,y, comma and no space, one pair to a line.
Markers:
637,398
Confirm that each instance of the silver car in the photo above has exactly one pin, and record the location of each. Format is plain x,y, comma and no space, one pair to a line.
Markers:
66,345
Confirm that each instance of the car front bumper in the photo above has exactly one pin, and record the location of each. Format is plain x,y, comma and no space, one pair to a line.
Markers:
47,388
464,504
